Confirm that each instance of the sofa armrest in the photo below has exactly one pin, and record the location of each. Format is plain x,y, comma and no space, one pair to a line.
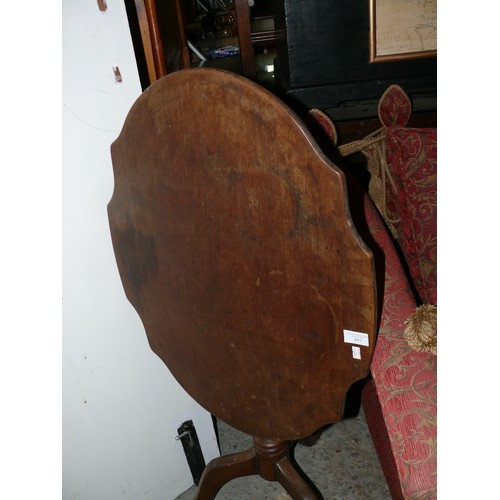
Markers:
405,380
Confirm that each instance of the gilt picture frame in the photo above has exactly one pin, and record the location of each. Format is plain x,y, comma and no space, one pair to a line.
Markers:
402,30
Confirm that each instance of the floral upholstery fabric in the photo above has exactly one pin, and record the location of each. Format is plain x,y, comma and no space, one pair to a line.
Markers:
411,196
405,380
394,107
412,161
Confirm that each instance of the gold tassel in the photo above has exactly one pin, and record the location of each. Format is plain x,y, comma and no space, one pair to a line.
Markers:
421,329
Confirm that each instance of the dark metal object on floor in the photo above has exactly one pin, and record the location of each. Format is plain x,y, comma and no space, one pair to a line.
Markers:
188,436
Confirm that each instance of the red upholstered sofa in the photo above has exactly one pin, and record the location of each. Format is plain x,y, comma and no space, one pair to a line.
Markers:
400,399
398,221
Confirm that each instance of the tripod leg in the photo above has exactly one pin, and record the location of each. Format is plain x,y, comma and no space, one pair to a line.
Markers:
269,459
274,464
295,485
222,470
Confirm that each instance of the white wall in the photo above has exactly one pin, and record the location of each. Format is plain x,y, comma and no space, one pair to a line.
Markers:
121,406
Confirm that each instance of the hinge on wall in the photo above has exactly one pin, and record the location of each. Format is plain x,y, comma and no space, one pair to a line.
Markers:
186,433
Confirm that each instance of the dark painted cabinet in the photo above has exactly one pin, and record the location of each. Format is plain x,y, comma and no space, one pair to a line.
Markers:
323,60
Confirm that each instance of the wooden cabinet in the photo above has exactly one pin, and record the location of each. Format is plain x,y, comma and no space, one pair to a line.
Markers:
163,31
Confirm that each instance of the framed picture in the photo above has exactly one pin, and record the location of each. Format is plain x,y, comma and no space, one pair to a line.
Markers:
402,29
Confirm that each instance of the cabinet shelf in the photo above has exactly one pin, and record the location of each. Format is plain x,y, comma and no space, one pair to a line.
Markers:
165,28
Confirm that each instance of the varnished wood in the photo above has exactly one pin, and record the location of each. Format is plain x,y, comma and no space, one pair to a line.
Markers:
160,64
163,35
269,459
244,28
172,24
234,243
223,469
146,39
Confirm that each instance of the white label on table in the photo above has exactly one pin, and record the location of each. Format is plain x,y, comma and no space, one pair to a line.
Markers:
356,352
358,338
